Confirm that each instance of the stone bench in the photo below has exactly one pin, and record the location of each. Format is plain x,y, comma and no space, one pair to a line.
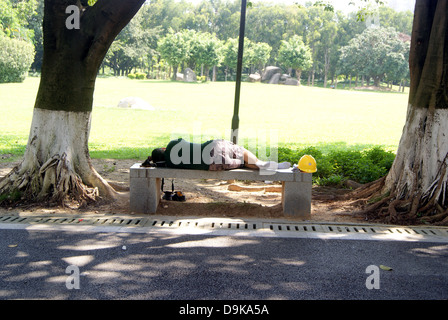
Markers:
145,186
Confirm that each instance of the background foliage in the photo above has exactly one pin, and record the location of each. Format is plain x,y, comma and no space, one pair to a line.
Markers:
136,49
16,57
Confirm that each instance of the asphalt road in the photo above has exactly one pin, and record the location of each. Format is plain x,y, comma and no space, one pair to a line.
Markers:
46,264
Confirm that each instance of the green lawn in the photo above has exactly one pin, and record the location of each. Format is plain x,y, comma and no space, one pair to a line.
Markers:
298,116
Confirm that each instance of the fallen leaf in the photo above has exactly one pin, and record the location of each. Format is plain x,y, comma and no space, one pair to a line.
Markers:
386,268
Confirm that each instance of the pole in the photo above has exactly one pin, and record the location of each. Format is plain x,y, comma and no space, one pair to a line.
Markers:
236,119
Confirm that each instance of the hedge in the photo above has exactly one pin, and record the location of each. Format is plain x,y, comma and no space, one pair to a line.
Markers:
337,166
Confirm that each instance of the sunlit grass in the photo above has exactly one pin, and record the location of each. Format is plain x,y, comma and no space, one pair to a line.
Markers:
296,116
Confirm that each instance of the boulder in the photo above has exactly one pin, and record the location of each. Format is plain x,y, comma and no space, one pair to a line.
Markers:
179,76
284,77
255,77
189,75
275,78
291,82
134,103
269,72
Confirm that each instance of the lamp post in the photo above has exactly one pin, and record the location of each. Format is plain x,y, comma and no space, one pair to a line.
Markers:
239,67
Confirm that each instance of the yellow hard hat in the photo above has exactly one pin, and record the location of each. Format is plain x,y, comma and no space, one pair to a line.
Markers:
307,164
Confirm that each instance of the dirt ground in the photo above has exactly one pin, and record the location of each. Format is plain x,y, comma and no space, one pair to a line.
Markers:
209,198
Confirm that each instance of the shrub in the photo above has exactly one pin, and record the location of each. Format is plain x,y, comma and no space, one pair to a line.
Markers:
201,78
381,157
336,166
16,57
137,75
332,180
362,167
140,75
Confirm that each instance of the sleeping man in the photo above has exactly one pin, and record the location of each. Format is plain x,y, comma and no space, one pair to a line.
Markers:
212,155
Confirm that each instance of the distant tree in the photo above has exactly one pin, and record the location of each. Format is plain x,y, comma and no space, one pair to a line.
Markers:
374,53
296,55
166,14
174,49
208,50
16,22
327,48
230,56
14,17
132,48
397,63
401,21
35,23
350,61
258,54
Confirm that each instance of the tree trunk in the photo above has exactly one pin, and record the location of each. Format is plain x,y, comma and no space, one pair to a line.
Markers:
416,187
174,78
56,163
214,73
377,81
326,66
298,74
313,73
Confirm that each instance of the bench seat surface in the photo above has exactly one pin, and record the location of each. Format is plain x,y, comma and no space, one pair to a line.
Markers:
235,174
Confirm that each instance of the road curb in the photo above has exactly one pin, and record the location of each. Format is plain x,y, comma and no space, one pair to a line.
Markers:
242,227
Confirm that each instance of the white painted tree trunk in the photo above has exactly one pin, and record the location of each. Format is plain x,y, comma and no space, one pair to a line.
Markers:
57,161
420,167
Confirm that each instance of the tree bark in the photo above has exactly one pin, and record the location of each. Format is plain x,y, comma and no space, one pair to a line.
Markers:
326,65
299,75
419,175
56,163
174,78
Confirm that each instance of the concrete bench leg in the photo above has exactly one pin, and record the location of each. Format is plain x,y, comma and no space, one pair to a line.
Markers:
296,199
145,195
154,195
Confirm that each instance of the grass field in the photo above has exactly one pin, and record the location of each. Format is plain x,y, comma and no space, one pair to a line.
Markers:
298,116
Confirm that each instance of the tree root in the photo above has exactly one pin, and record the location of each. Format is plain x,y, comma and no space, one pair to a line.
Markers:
367,191
429,207
437,219
59,180
55,181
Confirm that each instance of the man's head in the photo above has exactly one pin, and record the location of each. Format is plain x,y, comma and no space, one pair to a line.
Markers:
158,155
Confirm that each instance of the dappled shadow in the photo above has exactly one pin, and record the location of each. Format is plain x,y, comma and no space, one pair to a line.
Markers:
168,266
220,209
